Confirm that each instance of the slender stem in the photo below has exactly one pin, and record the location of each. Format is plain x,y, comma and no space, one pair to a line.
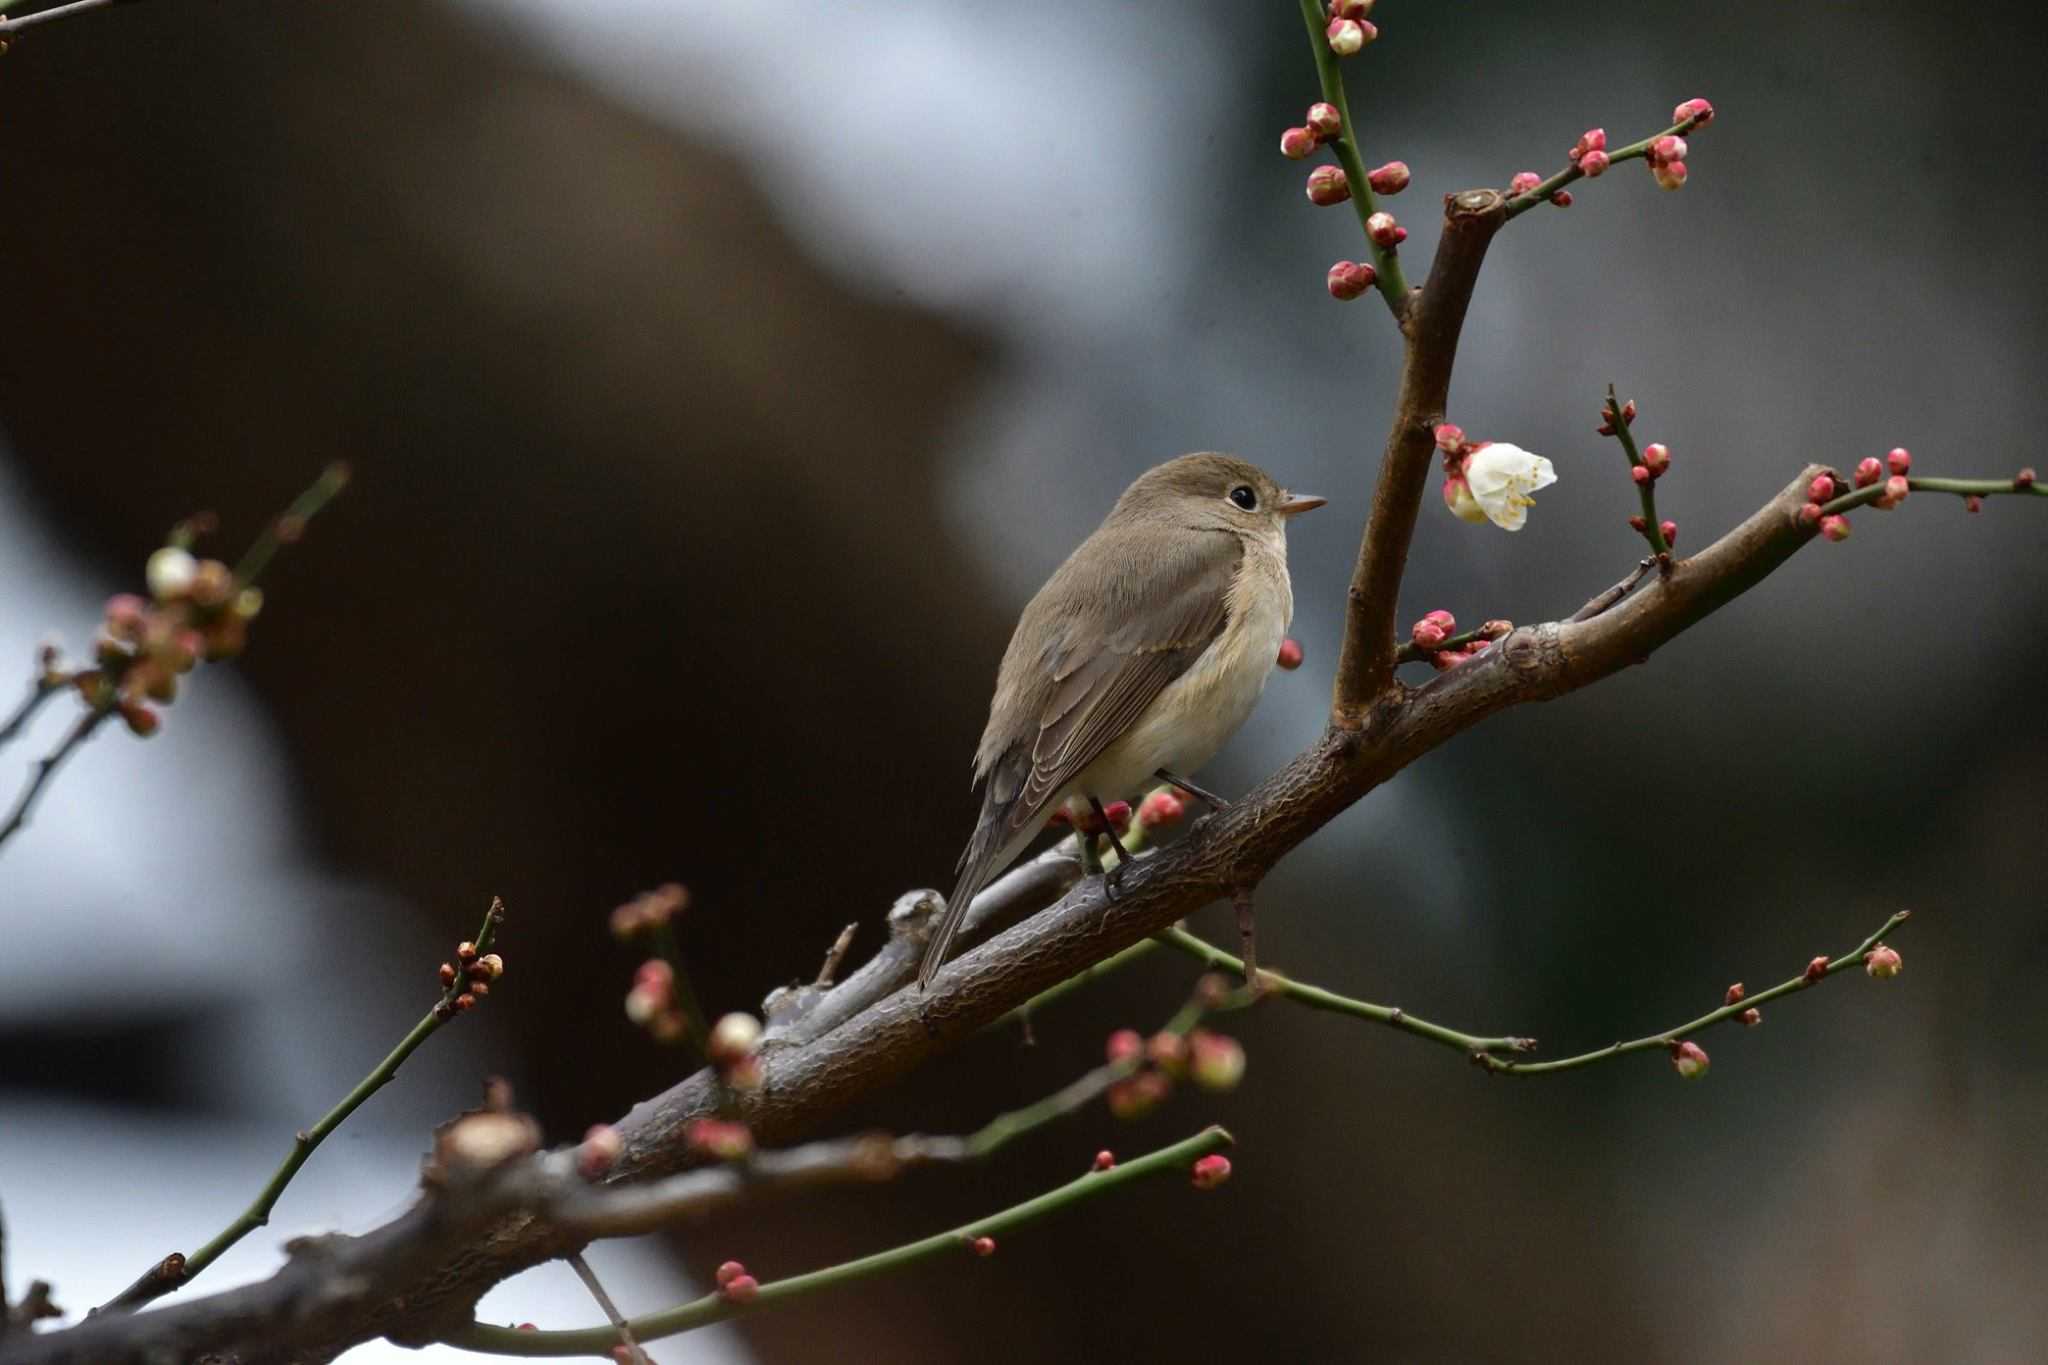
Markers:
1393,286
45,686
46,768
1980,488
1852,958
715,1308
1316,998
8,26
1412,653
157,1283
1022,1015
1521,203
287,526
1653,530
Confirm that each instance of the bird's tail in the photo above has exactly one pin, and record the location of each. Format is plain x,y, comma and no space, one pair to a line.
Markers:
980,858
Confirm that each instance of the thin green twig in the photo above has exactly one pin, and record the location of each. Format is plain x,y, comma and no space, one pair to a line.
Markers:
1393,286
305,1143
46,768
45,685
1520,204
954,1242
1661,1041
287,526
1653,529
1963,488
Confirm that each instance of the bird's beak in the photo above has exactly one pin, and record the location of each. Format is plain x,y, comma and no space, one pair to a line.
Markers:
1294,504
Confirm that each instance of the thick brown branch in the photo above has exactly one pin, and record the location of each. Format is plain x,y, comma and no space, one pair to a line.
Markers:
1365,666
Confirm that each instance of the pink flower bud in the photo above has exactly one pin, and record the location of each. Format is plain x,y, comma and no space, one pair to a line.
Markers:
1640,474
1810,514
1639,526
1689,1060
1562,198
728,1272
1973,503
1835,527
1211,1171
600,1148
1324,120
1290,654
1821,489
1428,634
2024,479
983,1246
1351,9
1160,809
733,1039
1593,163
1391,178
1899,460
1119,813
1381,227
1699,111
1868,472
1656,459
1670,175
1592,140
1450,438
1446,660
1125,1045
126,615
1895,490
1670,530
1668,149
1349,279
739,1289
1524,181
1751,1017
1815,970
1347,36
1882,962
724,1139
1105,1160
1214,1061
1734,995
1327,185
1167,1051
1297,143
142,721
1443,619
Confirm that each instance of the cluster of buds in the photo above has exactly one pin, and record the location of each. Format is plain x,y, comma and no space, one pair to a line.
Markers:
1526,182
720,1139
468,979
735,1285
1210,1171
653,1004
1434,631
1384,231
649,911
731,1048
1750,1017
1162,809
1666,155
1891,472
1689,1060
1349,29
1883,962
1490,481
1589,153
1351,279
1210,1060
196,610
1322,124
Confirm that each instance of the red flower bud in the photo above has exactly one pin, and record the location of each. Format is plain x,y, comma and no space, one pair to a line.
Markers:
1821,489
1667,149
600,1148
1882,962
1297,143
1895,490
1324,120
1105,1160
1656,458
1160,809
1670,175
1327,185
1524,181
1751,1017
2024,479
1734,995
1835,527
1699,111
1450,438
1639,526
1815,970
1670,530
1391,178
1899,460
1810,514
1561,198
1125,1045
1350,9
1211,1171
142,721
1868,471
1381,227
739,1289
983,1246
1349,279
1973,503
728,1272
1290,654
1640,474
1593,163
1427,633
1347,36
1689,1060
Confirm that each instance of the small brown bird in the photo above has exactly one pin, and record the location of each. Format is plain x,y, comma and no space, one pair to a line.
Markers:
1138,658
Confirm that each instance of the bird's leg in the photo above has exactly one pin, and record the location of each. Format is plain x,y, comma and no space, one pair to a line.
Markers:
1241,901
1215,802
1123,855
1091,859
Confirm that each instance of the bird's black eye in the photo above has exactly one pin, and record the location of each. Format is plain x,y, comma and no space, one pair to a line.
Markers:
1243,496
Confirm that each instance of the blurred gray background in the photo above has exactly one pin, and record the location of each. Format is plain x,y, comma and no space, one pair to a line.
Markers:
720,382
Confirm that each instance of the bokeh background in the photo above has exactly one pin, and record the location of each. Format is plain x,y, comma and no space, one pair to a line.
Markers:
721,380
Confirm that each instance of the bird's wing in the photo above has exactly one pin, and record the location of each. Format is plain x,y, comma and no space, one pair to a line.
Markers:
1106,658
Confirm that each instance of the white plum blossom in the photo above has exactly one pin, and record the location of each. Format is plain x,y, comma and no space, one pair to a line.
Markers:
1495,484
